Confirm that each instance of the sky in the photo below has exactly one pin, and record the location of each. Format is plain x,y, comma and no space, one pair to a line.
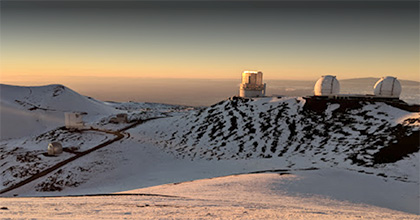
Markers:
46,41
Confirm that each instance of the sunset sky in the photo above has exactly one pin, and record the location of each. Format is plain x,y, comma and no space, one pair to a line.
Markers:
200,39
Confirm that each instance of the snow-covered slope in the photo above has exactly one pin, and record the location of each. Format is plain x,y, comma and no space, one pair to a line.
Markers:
33,117
33,110
26,111
360,135
235,136
250,196
273,127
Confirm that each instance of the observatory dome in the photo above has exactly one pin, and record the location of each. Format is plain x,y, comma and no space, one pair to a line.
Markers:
388,87
327,85
55,148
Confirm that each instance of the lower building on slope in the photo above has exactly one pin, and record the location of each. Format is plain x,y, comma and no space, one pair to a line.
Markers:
74,120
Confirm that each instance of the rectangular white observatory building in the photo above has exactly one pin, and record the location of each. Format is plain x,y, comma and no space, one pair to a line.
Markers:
252,84
73,120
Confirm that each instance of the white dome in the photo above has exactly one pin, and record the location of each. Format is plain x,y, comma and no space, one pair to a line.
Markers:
327,85
54,148
388,87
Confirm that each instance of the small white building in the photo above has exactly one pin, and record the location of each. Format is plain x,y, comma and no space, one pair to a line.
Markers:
327,86
119,118
388,87
74,120
252,84
54,148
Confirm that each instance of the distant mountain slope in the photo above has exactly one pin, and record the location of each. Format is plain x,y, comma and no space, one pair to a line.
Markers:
33,110
50,98
270,127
